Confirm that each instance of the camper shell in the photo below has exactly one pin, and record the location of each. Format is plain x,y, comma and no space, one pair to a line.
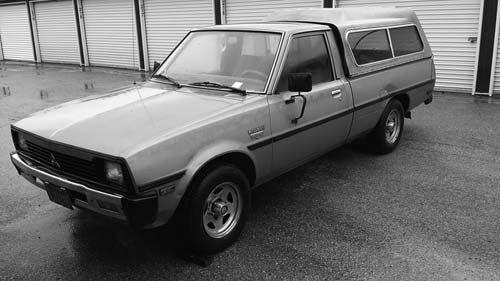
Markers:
343,21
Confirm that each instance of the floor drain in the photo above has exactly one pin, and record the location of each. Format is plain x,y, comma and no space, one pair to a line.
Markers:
6,91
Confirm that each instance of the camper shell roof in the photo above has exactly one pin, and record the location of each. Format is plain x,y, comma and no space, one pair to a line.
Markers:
347,18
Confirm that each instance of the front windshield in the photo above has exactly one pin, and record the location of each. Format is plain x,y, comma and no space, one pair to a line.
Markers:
235,58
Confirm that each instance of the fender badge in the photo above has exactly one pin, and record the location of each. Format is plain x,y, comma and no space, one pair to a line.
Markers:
257,133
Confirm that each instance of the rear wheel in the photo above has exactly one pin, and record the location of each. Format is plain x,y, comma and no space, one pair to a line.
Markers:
387,134
216,209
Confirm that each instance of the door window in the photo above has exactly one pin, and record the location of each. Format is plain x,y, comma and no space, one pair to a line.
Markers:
307,54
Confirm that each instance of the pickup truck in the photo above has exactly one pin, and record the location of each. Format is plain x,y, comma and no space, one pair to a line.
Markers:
231,107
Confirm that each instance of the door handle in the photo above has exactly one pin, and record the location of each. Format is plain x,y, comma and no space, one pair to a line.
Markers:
337,94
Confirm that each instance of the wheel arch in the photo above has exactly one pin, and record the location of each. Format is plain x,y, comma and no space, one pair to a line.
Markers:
404,99
225,152
237,158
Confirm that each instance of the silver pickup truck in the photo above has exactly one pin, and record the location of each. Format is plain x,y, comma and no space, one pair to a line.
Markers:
232,107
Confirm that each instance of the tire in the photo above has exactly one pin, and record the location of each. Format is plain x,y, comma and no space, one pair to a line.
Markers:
216,209
387,134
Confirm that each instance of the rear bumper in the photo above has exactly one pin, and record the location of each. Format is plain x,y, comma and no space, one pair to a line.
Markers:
137,211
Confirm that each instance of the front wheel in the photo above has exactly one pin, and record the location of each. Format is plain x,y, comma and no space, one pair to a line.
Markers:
217,209
387,134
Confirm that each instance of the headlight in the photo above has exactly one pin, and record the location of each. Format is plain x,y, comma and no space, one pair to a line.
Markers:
21,142
114,172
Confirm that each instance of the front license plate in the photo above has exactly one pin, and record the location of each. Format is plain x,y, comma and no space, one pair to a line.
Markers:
59,195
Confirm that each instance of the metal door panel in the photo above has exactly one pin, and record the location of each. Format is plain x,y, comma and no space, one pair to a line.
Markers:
326,122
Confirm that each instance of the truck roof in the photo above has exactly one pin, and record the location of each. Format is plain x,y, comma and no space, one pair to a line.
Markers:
347,18
269,27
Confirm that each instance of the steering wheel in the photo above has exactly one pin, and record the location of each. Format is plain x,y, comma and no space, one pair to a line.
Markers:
255,73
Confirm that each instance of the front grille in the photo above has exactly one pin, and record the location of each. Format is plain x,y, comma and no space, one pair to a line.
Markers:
79,165
65,163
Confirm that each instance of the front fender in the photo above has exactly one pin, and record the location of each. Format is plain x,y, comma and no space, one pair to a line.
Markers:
213,152
167,204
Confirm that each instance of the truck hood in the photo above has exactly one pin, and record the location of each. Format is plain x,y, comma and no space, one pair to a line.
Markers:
117,122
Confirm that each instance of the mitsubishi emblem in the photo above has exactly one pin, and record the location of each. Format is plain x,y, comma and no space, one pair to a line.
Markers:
53,161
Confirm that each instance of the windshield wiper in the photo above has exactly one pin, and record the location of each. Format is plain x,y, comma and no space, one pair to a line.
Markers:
168,78
219,85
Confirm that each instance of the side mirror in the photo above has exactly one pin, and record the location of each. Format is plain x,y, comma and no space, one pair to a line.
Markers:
156,65
300,82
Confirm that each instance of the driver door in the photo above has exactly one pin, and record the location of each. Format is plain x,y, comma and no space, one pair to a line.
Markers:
327,116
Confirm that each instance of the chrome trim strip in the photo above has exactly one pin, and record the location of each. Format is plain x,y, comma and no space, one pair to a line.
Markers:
390,43
93,196
275,62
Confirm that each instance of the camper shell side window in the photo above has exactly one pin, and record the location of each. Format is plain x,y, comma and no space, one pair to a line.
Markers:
381,44
405,40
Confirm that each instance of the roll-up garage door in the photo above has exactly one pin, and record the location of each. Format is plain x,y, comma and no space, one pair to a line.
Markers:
110,33
496,78
168,21
239,11
448,25
57,35
15,33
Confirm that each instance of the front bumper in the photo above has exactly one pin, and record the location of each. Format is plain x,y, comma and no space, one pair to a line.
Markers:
137,211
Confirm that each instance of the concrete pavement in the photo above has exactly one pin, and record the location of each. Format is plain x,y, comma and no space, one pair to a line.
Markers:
428,211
